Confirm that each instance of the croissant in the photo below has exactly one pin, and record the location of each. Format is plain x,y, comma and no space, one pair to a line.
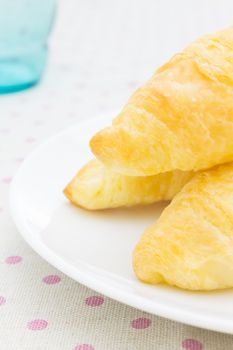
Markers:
182,118
97,187
191,245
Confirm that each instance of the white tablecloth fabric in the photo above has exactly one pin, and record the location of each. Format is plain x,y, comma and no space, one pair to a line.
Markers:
100,51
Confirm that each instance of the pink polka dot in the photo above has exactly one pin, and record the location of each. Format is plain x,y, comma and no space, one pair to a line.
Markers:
94,300
37,325
192,344
51,279
19,160
11,260
30,140
7,180
84,347
2,300
141,323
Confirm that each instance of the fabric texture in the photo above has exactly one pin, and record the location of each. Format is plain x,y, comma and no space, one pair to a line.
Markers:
96,60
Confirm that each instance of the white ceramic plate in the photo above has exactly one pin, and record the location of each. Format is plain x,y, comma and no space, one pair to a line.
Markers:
95,248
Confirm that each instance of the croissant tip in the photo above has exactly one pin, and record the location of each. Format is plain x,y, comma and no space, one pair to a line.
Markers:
67,192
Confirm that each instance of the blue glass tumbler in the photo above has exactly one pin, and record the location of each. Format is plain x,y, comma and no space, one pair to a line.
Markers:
24,30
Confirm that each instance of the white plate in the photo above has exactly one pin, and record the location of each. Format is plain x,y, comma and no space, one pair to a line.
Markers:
95,248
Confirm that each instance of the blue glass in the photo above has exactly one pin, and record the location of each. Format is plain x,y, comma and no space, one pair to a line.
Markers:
24,30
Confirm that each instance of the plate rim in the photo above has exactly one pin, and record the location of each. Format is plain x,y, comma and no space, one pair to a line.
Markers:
170,312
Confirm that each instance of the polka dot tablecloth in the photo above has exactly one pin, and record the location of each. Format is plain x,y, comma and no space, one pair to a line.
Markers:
99,52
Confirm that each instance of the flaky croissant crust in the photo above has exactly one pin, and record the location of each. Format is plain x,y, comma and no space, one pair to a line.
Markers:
191,245
182,118
97,187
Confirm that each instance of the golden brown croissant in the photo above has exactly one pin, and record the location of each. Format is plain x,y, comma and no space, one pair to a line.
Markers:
97,187
182,118
191,245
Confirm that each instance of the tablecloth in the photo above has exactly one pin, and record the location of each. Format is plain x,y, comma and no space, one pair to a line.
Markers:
99,52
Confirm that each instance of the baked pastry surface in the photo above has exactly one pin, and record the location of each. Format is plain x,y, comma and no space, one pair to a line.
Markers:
182,118
191,245
97,187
